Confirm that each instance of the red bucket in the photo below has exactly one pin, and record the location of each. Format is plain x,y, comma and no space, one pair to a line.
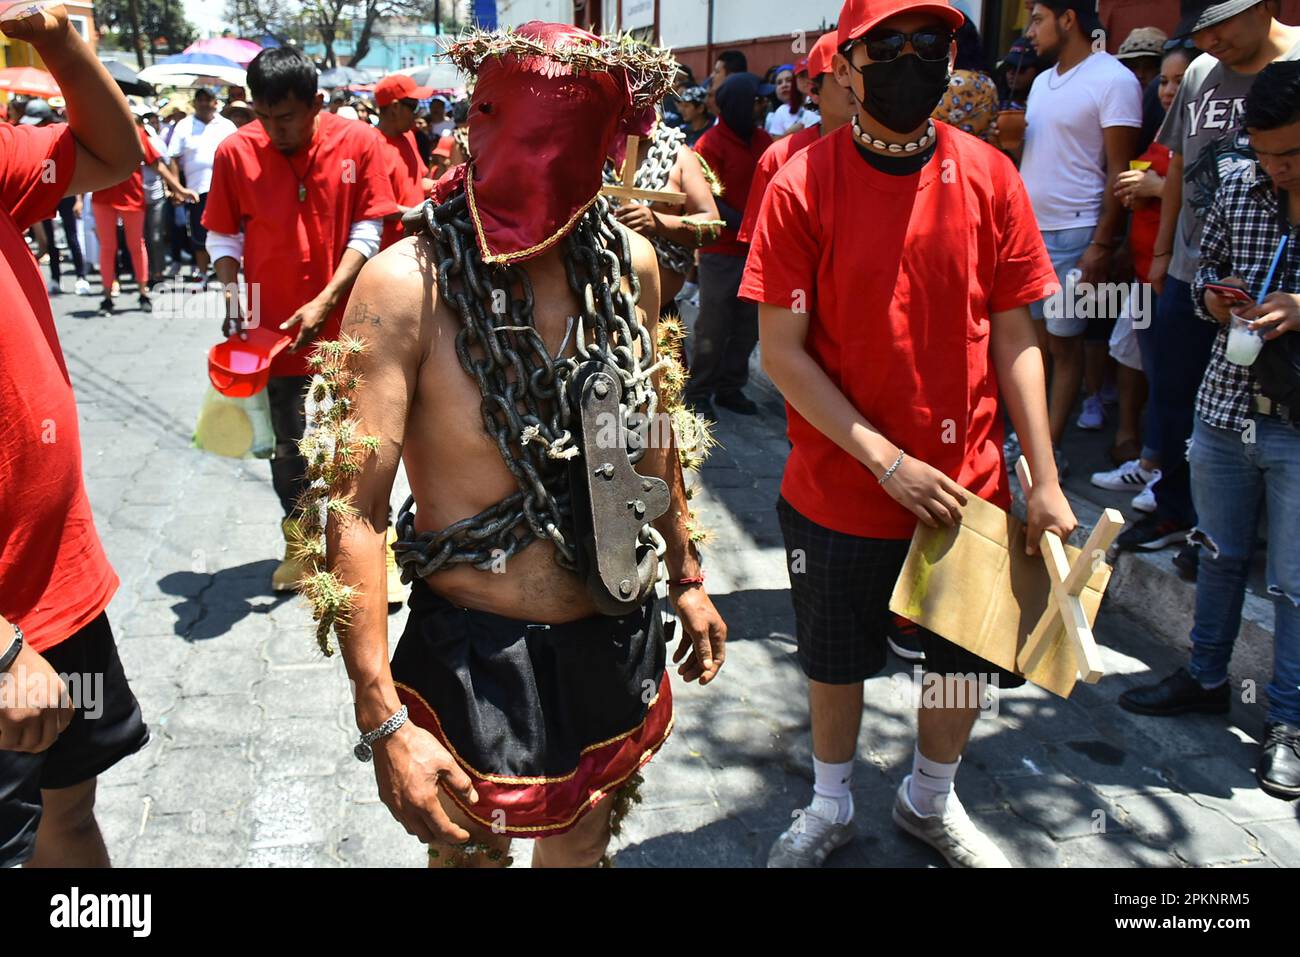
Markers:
240,368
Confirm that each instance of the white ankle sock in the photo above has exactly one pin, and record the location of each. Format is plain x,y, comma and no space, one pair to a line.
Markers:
832,781
931,784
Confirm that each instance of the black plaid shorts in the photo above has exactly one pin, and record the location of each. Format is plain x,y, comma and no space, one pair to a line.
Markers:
840,585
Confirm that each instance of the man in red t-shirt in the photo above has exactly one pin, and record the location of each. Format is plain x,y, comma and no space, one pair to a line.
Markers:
727,330
398,98
894,262
66,711
836,106
298,198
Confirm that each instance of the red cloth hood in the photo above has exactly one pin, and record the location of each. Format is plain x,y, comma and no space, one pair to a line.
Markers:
540,129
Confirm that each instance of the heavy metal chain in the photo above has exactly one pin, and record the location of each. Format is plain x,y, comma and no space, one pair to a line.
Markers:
526,405
653,173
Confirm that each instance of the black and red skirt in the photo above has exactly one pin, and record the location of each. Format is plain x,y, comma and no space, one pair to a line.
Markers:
547,720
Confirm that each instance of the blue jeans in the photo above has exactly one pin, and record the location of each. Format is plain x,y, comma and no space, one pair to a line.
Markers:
1180,352
1065,247
1231,479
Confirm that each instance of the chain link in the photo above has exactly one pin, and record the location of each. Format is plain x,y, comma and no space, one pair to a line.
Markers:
653,174
526,406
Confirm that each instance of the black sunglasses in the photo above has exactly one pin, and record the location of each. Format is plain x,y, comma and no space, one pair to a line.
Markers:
409,103
929,44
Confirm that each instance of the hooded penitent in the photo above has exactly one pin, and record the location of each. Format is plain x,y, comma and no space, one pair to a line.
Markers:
735,100
550,103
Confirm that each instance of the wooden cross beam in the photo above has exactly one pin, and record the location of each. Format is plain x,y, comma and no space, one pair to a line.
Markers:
628,190
1068,581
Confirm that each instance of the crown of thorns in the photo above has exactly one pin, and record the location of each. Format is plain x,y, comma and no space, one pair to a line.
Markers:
650,70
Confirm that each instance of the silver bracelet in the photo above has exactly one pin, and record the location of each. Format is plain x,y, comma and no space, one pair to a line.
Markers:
363,750
889,472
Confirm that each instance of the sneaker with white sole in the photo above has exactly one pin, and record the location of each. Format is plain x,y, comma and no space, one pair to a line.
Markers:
1093,416
1127,478
82,288
953,834
812,837
1145,500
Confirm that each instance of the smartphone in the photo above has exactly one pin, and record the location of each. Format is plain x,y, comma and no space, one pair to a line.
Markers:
1233,293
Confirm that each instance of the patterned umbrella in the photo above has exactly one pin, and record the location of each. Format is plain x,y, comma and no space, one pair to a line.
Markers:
240,51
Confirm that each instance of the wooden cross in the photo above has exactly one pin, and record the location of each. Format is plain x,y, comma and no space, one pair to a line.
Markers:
628,190
1063,608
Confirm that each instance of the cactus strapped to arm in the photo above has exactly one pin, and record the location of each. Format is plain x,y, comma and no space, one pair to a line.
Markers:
335,452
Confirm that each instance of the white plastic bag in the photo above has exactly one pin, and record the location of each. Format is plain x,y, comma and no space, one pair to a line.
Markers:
235,428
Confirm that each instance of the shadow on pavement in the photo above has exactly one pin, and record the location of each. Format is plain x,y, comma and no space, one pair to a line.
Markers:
214,604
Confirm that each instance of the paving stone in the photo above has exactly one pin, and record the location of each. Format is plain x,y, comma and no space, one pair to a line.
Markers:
304,691
1059,805
291,855
1279,840
687,836
1229,787
208,779
191,839
1114,849
293,811
212,720
299,747
1196,834
152,658
371,837
294,647
208,672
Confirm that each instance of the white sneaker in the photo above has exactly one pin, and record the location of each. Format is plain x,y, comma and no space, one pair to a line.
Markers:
953,834
83,288
1093,416
1145,500
1126,478
812,837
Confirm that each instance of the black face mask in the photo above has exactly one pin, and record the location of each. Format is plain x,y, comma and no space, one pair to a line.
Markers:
903,92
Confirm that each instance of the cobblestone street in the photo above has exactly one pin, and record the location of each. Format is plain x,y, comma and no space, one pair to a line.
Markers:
250,760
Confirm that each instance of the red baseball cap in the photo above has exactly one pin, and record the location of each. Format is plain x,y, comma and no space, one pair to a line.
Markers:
399,86
823,51
858,17
445,144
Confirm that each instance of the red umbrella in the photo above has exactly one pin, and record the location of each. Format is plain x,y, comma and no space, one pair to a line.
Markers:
29,81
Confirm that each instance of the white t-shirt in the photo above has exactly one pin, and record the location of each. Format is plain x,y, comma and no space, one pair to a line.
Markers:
781,119
194,144
1064,162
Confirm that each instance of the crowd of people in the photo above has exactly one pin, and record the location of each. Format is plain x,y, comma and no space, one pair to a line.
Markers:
929,247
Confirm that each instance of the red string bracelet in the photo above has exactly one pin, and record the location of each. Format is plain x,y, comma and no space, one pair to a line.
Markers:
682,582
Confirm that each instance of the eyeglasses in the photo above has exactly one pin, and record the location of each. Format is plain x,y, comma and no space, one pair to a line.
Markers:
930,44
1186,43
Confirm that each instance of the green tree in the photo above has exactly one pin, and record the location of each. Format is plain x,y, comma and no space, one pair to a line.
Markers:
140,25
